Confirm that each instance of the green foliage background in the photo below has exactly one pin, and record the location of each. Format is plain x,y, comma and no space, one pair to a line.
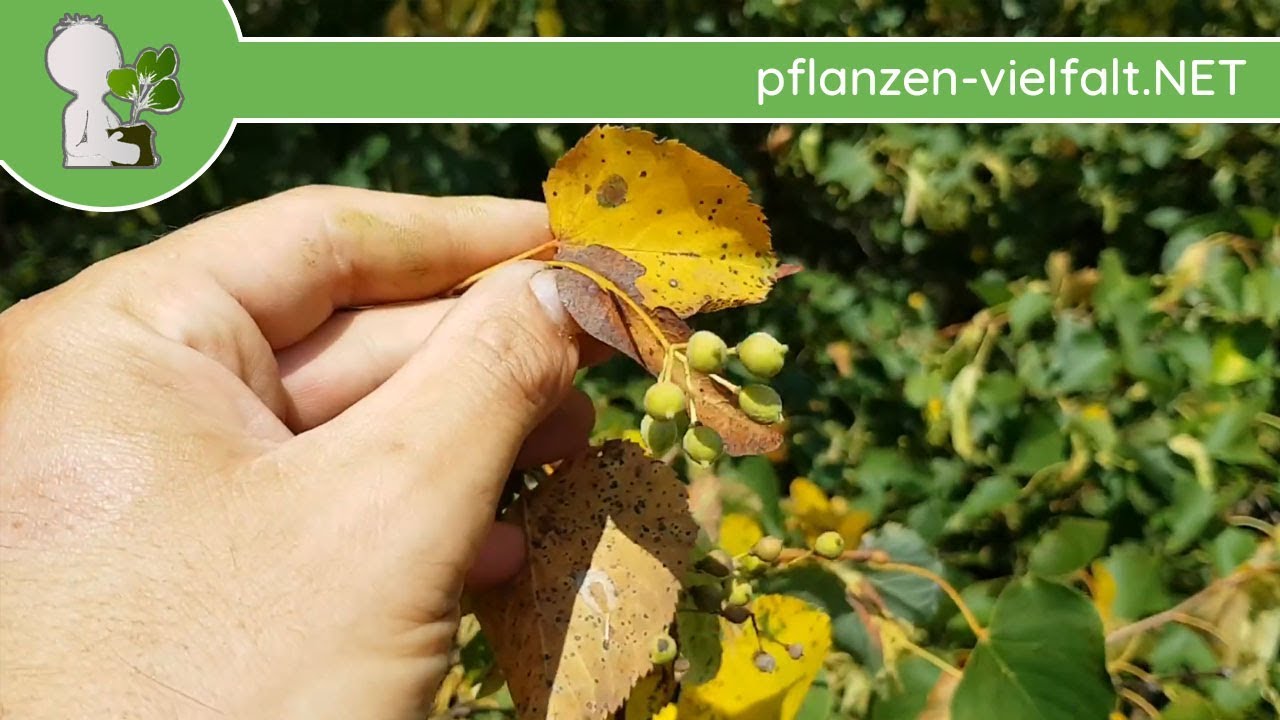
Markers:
998,348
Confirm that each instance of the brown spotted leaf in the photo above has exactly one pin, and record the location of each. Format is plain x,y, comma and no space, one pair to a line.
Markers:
608,536
616,324
687,221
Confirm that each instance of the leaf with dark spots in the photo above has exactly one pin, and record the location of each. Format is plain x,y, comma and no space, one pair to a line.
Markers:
651,204
572,632
616,324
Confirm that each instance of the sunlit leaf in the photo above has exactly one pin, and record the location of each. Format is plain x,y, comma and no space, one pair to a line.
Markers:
764,677
688,221
1043,658
608,535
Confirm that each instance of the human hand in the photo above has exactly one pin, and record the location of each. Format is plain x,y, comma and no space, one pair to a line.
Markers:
225,496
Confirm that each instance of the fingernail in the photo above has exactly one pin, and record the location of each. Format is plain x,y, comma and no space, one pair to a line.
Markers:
544,287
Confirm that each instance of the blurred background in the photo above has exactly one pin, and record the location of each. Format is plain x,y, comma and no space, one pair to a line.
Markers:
1000,326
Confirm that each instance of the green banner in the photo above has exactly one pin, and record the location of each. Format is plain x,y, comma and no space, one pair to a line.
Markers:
123,102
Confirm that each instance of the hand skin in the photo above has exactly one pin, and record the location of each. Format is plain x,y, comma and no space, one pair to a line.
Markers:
224,495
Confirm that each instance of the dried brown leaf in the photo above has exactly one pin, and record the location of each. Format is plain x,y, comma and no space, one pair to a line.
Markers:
609,535
616,324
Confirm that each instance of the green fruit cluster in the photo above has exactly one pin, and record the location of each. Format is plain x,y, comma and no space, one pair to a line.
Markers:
666,404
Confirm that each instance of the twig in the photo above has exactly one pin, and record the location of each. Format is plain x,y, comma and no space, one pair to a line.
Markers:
1140,702
1134,670
1183,609
795,555
979,631
530,253
609,286
1252,523
932,659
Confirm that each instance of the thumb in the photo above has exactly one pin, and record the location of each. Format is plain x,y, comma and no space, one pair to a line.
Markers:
442,433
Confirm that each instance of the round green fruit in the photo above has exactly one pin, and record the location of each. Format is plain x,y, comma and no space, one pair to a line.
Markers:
762,355
829,545
664,400
760,403
716,563
662,650
658,435
706,352
768,548
751,566
703,445
739,595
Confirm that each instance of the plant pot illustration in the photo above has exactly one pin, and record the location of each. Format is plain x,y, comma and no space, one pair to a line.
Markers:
149,85
143,137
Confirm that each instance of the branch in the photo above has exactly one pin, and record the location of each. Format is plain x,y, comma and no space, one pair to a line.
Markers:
530,253
979,631
1182,610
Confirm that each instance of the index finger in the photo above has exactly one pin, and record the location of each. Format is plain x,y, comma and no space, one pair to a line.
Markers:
292,259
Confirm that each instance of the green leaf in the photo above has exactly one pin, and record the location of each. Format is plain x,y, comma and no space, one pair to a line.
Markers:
987,497
1041,443
123,83
1081,361
758,474
907,696
907,596
850,165
146,64
699,641
166,62
1026,310
1044,659
818,704
1140,590
1194,506
165,96
1069,546
1231,548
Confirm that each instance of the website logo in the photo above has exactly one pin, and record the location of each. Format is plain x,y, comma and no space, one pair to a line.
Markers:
84,58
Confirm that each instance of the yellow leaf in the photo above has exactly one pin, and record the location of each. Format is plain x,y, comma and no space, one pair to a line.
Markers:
739,533
1103,589
651,695
852,526
547,20
608,537
1195,451
764,677
1229,365
667,713
685,218
810,509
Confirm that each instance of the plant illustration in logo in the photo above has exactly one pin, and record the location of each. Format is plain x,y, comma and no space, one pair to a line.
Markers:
84,58
150,84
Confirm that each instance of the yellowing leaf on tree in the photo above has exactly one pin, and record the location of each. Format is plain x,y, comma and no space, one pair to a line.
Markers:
602,315
685,218
1102,586
739,533
812,513
608,536
764,677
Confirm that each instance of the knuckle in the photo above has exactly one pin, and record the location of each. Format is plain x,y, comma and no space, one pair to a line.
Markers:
308,194
520,362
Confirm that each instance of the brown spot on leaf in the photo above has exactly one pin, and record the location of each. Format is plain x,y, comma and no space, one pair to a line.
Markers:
604,565
613,192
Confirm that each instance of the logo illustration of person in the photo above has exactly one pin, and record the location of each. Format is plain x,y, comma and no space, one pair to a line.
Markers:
84,58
